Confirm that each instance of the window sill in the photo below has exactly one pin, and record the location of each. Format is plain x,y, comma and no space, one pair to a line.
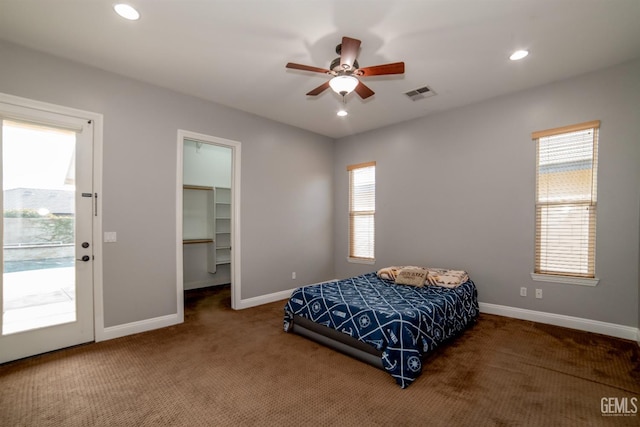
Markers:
582,281
361,260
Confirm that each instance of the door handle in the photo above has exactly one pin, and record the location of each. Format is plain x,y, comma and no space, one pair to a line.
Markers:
84,258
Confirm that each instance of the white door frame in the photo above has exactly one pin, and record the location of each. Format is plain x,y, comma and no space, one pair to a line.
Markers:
97,125
235,214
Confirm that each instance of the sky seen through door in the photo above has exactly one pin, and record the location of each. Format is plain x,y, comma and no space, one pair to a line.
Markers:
54,166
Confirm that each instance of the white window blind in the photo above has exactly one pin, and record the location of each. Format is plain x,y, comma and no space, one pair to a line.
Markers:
362,210
566,200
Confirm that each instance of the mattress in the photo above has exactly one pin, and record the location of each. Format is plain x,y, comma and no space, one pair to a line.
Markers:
403,323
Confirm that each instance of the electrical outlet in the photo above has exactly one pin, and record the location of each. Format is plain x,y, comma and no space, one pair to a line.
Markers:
539,293
523,292
293,275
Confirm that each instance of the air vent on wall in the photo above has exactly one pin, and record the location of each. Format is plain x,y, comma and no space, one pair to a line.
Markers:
420,93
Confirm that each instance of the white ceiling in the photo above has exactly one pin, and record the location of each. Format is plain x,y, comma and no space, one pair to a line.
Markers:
234,52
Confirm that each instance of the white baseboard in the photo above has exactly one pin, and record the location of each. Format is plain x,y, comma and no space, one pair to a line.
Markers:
611,329
137,327
595,326
265,299
173,319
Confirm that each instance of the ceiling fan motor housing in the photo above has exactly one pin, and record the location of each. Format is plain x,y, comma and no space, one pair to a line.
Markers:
335,66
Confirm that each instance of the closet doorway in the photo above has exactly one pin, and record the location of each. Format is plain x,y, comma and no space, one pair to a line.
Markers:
208,215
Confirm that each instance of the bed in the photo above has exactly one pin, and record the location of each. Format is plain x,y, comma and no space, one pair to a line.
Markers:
388,325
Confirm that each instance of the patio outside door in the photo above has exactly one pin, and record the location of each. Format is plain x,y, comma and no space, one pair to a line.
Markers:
46,291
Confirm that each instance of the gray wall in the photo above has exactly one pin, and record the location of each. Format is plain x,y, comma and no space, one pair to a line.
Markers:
454,189
457,190
287,192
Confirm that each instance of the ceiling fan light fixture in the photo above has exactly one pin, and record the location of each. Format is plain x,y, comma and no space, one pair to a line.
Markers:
343,85
342,113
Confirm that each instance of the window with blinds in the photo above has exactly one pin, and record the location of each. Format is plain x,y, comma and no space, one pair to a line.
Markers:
362,211
566,178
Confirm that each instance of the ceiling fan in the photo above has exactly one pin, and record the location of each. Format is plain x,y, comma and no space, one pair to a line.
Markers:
346,70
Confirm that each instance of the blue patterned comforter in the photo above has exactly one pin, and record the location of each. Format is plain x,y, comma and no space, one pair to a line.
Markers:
404,322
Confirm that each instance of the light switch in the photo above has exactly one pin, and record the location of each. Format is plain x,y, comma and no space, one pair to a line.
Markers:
110,236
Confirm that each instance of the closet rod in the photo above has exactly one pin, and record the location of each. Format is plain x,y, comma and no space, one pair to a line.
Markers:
197,187
193,241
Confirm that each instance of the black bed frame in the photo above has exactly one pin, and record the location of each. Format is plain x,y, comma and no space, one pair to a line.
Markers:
337,340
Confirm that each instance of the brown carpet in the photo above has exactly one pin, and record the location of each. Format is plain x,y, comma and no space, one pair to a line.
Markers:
224,367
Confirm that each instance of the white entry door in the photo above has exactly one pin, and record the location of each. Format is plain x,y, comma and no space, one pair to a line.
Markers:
46,290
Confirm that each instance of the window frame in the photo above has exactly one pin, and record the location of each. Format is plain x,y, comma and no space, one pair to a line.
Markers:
568,277
353,214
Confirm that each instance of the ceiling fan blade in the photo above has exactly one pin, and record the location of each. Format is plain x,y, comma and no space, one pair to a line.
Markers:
363,90
307,68
380,70
324,86
349,52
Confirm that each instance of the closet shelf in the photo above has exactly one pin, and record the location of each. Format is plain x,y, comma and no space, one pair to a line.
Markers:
223,225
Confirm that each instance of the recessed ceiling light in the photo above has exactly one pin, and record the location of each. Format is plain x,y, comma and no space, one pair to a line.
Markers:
127,12
518,54
342,113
